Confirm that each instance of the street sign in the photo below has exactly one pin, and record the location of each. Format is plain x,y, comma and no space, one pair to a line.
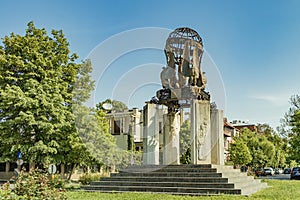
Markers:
19,155
20,162
52,169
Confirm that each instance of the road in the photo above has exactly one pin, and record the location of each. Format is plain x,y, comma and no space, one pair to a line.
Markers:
276,177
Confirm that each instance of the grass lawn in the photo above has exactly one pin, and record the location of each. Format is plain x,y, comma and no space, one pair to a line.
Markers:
278,189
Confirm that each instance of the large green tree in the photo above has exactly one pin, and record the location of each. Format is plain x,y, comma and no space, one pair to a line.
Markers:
292,127
280,144
98,145
261,149
239,153
37,75
77,151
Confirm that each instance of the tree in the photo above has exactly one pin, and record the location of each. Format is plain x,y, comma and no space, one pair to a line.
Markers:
292,124
265,129
280,144
116,156
185,142
268,150
262,151
84,85
76,150
98,145
239,153
37,75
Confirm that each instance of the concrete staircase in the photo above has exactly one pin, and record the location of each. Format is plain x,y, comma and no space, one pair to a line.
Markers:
247,184
202,179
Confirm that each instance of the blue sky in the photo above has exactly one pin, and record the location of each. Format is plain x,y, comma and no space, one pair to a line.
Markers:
254,45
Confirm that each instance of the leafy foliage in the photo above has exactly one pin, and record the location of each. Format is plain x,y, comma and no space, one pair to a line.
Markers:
262,150
292,125
185,142
111,154
87,178
42,95
78,152
34,185
83,85
239,153
37,75
98,145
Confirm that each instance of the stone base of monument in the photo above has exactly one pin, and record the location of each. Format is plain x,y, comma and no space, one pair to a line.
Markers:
204,179
247,184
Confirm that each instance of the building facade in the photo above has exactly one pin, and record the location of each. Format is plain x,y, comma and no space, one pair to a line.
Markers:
127,128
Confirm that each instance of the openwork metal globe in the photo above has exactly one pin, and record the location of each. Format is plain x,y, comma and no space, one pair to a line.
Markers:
182,78
175,41
183,50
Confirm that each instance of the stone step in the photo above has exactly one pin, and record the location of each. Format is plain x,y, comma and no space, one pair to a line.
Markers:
170,170
168,174
173,190
171,166
150,168
247,184
163,184
187,170
166,179
179,179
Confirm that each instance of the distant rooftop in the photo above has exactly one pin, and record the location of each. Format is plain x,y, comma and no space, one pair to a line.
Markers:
239,124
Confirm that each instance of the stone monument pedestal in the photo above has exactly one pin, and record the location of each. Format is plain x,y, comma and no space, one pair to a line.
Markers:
200,132
217,137
151,135
171,139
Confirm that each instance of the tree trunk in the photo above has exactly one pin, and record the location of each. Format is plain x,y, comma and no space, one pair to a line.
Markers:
71,172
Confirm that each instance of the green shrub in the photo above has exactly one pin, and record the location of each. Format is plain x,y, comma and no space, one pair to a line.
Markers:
87,178
57,182
7,193
34,185
72,186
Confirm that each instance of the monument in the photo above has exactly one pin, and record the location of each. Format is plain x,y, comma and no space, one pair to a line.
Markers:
183,86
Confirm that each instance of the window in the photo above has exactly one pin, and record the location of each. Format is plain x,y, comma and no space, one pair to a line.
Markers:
117,129
2,167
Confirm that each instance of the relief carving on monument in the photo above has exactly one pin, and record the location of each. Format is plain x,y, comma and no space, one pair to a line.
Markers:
201,134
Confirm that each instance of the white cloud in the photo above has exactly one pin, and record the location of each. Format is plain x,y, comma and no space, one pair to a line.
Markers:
277,100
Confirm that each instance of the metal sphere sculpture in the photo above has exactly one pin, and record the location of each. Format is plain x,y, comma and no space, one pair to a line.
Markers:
182,79
183,50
